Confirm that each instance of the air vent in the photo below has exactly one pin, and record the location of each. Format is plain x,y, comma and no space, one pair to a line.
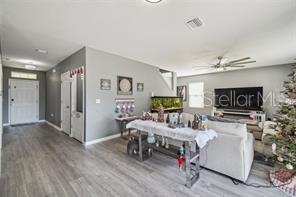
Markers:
194,23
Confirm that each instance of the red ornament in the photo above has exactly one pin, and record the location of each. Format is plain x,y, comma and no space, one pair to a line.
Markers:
180,161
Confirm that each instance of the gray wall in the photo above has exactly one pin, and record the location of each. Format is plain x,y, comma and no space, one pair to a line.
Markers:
100,117
271,78
42,91
53,80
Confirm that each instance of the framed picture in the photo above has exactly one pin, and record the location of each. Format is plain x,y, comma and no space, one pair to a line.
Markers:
124,85
105,84
182,92
140,87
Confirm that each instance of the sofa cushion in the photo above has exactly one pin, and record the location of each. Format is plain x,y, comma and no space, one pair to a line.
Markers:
237,129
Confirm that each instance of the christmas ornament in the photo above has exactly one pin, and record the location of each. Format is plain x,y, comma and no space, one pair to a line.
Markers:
189,124
168,118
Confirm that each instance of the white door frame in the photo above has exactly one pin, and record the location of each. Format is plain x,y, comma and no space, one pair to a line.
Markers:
74,106
9,98
65,74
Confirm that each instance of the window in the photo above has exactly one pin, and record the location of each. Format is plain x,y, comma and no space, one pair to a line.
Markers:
168,77
196,95
23,75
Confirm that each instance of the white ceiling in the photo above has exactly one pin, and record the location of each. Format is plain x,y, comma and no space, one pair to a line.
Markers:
151,33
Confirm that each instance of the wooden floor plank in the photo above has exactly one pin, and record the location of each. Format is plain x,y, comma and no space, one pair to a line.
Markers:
38,160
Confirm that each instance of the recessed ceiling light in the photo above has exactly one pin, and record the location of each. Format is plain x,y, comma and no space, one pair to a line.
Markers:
153,1
30,67
41,51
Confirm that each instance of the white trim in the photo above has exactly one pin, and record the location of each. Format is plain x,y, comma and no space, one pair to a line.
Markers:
101,139
110,137
53,125
8,124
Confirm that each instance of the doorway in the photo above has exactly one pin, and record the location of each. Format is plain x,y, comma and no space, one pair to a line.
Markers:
72,104
23,101
66,103
77,106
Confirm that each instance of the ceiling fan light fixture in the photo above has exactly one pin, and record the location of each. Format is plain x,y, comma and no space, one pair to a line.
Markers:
153,1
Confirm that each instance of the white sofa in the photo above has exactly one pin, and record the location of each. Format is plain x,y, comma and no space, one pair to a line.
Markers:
231,153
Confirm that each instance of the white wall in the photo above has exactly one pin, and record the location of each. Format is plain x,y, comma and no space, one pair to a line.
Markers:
99,118
271,78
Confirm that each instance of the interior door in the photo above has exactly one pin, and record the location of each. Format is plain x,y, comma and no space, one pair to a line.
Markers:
24,101
77,117
66,103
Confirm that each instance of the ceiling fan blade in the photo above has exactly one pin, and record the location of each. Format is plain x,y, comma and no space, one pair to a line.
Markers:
248,62
239,60
237,66
201,68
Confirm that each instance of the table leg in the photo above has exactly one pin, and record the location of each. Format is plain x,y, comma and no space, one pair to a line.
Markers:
187,164
191,178
121,130
140,146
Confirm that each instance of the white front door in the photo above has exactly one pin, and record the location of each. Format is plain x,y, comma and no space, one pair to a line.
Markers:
66,103
24,101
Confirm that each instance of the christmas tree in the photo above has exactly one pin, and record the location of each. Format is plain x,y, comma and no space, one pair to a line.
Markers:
284,147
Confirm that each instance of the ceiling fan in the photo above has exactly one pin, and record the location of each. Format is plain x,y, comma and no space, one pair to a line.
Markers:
223,63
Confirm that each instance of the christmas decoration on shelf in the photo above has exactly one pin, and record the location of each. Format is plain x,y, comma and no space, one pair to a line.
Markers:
284,143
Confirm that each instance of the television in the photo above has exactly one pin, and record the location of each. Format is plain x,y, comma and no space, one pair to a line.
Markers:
247,98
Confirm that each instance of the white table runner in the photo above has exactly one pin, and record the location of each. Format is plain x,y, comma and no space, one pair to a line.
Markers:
182,134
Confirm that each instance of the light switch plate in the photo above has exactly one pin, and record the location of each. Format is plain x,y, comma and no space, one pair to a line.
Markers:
98,101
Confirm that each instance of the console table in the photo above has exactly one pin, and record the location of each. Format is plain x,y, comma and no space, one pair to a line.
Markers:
187,136
123,122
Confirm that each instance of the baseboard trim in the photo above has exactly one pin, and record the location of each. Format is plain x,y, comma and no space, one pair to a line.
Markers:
101,139
8,124
110,137
53,125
